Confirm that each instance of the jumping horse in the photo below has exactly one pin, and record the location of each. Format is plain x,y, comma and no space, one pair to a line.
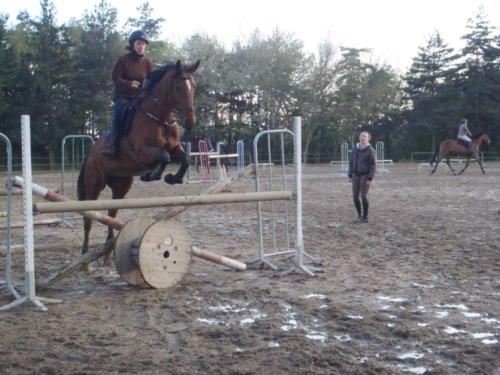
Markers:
152,141
451,147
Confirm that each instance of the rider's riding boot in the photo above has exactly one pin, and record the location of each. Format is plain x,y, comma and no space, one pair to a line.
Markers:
111,150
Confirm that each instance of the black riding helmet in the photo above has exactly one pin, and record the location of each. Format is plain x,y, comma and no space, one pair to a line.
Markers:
137,35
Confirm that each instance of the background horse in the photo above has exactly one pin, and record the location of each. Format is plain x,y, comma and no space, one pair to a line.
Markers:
451,147
152,140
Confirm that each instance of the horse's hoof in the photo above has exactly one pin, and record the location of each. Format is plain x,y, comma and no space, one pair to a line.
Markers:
172,180
150,176
86,268
146,177
169,179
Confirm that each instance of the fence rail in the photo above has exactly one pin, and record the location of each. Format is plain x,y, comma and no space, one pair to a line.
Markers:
43,164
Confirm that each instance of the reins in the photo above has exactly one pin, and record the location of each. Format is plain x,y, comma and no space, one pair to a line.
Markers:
151,116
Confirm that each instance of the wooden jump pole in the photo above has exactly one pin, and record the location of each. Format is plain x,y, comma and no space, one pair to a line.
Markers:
93,255
187,200
119,225
54,197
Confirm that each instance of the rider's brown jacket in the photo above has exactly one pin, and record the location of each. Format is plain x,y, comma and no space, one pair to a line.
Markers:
128,68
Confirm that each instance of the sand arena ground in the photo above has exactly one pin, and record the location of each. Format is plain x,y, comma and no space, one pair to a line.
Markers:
417,290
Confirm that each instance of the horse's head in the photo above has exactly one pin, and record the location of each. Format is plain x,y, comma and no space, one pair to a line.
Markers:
487,139
482,137
173,87
181,92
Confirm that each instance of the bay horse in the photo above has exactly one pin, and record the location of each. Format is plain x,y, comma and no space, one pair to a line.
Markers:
450,147
152,141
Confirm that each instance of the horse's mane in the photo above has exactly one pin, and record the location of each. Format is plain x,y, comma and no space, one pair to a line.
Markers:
476,136
156,76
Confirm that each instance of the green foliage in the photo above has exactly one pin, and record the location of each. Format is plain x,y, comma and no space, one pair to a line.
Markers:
61,76
145,22
478,75
429,87
98,47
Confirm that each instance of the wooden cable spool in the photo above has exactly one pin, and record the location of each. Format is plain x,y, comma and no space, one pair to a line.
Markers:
153,254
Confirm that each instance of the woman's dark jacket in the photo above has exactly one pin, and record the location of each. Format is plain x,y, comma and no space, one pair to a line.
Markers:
362,162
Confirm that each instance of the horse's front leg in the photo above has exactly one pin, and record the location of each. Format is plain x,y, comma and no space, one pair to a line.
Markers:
449,165
464,168
119,188
155,173
480,163
87,226
436,165
178,155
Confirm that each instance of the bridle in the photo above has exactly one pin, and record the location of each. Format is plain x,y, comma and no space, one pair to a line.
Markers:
168,125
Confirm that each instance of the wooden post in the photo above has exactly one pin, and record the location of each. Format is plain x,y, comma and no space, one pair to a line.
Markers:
219,259
108,246
187,200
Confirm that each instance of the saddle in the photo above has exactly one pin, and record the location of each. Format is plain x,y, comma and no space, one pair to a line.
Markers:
464,143
127,114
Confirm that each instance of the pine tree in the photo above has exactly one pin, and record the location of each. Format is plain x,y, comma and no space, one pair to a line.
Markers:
151,26
429,88
51,70
478,75
99,47
8,69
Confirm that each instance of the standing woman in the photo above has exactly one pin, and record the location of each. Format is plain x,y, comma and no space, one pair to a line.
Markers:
362,165
128,74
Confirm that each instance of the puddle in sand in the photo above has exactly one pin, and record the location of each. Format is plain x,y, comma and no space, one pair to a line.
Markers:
411,355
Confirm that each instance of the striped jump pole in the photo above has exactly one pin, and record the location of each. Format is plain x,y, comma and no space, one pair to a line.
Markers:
29,258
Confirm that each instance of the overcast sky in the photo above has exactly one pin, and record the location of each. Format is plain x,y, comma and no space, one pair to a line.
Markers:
393,29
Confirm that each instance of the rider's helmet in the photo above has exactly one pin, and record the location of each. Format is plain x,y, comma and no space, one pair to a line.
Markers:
463,121
137,35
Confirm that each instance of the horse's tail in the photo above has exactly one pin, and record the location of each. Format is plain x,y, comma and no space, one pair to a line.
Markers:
80,187
434,156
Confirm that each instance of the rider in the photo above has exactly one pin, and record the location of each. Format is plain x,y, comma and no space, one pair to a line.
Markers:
464,133
128,74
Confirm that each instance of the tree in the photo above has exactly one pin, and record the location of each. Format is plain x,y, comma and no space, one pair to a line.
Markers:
210,80
317,100
7,77
430,96
478,75
50,70
351,86
99,47
151,26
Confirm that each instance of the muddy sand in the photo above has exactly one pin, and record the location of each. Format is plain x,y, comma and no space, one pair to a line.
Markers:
414,291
